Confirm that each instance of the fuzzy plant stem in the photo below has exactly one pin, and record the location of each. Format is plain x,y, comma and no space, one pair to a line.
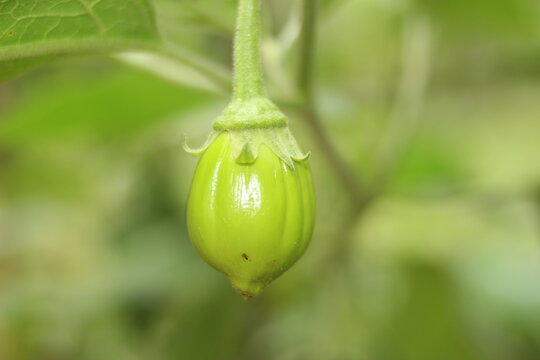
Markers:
248,75
250,107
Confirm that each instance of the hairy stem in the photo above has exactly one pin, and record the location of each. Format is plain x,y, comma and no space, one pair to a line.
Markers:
248,76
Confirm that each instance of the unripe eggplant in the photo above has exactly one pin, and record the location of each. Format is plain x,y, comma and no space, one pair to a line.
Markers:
251,212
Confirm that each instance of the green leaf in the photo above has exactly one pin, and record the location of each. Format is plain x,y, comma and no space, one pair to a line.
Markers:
72,104
33,31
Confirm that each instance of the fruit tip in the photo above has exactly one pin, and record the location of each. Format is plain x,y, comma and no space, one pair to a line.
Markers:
246,296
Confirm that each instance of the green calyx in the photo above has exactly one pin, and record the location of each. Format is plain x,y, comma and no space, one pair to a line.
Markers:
246,144
250,222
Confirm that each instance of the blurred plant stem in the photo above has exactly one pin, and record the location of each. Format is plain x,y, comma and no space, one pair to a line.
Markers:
416,48
181,66
405,112
309,111
307,49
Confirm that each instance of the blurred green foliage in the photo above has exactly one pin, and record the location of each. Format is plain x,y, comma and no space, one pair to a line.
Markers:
95,262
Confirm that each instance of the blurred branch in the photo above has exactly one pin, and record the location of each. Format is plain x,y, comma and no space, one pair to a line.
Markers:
404,115
181,66
309,111
275,51
345,173
307,49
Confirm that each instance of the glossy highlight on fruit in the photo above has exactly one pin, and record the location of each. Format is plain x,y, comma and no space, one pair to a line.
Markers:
251,220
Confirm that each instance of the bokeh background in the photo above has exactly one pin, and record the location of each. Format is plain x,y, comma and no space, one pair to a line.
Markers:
438,102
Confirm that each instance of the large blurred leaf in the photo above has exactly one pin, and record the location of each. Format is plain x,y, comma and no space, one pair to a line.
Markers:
86,113
101,105
32,31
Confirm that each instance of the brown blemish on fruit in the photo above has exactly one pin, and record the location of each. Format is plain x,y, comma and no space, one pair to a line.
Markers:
272,263
245,256
246,296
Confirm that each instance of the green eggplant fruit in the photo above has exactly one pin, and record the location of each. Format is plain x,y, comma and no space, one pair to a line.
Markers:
251,211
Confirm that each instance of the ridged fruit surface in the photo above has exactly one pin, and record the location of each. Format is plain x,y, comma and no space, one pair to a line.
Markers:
252,221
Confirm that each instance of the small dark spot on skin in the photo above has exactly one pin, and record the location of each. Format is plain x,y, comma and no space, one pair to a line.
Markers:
10,33
246,296
272,263
245,256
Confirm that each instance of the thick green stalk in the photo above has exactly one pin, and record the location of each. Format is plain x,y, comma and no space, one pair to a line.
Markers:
248,76
250,107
